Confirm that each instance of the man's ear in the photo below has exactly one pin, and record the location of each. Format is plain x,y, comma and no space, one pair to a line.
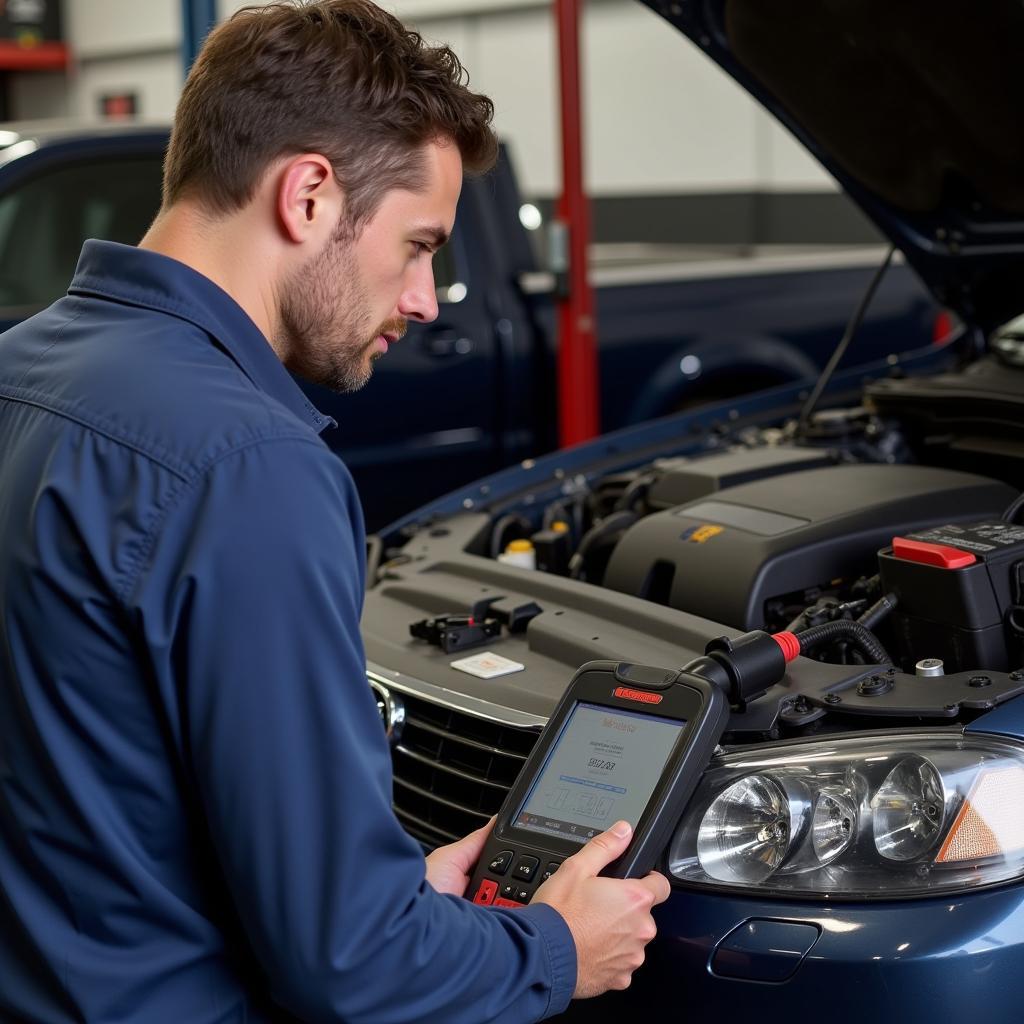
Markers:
309,199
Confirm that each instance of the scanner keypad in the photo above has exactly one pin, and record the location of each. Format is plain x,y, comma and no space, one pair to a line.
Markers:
524,879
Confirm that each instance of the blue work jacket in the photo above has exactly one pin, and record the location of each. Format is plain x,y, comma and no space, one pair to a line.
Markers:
195,820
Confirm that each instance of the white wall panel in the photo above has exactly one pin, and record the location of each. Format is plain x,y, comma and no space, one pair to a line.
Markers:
155,78
659,117
414,10
95,27
514,64
787,164
461,34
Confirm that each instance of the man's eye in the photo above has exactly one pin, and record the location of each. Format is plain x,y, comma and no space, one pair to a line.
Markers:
419,248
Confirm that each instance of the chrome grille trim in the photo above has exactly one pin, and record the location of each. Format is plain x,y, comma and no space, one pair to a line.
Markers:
427,834
455,759
454,737
441,766
454,805
453,700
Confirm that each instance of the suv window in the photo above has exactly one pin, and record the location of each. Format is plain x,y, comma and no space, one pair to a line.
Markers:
44,222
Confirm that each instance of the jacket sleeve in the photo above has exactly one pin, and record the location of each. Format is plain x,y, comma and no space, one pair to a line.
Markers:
251,606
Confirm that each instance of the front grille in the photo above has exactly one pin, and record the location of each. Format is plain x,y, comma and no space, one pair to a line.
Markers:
452,770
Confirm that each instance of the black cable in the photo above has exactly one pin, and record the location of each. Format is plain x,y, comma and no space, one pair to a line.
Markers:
851,329
879,611
830,608
853,632
1010,515
610,524
638,488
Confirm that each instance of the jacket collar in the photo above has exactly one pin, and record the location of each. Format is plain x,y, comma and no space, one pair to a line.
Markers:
150,280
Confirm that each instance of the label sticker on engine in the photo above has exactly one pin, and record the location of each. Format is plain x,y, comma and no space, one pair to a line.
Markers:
487,665
705,533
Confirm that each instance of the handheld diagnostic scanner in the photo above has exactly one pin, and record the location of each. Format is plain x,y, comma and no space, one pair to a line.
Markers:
625,742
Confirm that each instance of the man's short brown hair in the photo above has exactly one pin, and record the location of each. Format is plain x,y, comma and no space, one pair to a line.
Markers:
337,77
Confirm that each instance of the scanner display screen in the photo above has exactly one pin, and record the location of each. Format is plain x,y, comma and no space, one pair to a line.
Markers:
603,768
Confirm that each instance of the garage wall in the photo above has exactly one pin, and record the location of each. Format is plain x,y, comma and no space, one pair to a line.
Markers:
663,124
659,116
155,78
38,95
118,46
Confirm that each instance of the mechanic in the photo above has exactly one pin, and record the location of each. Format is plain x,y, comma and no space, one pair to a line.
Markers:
195,819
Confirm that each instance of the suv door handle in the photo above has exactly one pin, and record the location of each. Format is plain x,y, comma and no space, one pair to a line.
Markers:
444,343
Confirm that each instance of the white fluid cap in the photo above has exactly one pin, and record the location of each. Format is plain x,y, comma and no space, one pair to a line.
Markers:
930,667
520,553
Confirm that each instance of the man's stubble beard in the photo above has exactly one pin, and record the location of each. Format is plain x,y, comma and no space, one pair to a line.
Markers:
326,322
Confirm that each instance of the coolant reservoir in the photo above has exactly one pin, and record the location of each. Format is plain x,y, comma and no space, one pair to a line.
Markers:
520,553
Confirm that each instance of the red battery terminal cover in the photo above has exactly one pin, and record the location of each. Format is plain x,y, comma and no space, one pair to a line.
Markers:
941,556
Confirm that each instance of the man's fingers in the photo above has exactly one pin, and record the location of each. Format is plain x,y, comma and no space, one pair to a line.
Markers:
470,847
603,849
484,830
658,885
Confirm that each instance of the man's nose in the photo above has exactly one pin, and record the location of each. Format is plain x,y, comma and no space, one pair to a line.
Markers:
419,300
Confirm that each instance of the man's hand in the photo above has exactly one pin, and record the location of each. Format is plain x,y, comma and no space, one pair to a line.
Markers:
449,867
610,918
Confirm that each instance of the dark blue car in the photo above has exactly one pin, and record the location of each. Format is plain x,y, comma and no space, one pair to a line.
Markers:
855,850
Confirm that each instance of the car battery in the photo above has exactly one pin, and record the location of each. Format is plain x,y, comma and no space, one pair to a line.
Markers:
959,588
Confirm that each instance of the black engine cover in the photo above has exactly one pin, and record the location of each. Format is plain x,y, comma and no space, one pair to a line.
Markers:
724,557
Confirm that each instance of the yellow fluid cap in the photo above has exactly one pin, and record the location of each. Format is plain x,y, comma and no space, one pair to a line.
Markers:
518,546
559,527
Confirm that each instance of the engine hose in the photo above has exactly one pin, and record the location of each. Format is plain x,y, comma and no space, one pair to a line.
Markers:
501,528
637,489
1011,513
879,611
800,622
852,632
609,525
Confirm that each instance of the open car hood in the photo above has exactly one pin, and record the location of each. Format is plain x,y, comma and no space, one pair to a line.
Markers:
914,108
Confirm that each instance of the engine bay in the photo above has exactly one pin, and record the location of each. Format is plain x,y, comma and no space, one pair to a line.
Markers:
870,534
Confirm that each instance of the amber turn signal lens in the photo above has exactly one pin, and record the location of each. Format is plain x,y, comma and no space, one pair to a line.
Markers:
991,820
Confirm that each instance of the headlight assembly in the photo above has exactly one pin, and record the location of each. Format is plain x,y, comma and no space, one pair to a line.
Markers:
908,814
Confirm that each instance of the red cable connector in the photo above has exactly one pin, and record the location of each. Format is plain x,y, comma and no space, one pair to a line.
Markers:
790,644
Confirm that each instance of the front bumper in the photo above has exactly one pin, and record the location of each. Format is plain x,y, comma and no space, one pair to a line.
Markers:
955,959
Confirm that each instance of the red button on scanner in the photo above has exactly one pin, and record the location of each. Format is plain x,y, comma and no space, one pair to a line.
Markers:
485,894
940,555
501,902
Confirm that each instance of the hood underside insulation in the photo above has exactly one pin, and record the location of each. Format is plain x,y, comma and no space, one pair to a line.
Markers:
921,102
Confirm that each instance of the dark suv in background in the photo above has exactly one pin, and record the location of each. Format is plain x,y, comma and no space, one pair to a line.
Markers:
475,390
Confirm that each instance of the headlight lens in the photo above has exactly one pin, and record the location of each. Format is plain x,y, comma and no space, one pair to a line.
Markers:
835,815
906,812
745,834
913,813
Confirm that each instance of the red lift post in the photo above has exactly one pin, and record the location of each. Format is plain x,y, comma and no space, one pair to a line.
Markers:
578,418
